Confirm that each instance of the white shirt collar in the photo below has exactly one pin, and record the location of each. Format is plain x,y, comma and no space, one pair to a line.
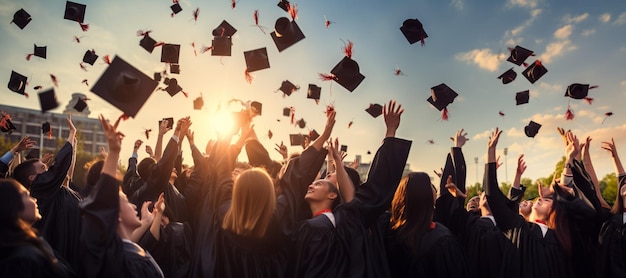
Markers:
490,217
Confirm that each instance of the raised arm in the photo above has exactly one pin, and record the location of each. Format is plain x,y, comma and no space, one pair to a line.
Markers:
346,187
24,144
158,148
131,178
592,172
516,193
617,163
195,152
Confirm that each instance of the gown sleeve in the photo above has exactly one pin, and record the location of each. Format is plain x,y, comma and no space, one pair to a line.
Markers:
49,182
504,215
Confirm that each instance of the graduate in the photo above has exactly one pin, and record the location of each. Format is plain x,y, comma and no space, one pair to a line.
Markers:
335,242
108,222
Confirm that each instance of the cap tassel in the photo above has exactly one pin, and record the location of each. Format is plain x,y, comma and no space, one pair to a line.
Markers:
82,66
83,26
85,82
233,4
256,21
124,116
193,45
293,114
142,33
50,133
107,59
159,44
196,13
54,80
147,132
589,100
350,124
347,49
248,76
444,114
606,115
29,56
185,94
422,41
569,114
293,11
329,108
205,49
317,102
270,134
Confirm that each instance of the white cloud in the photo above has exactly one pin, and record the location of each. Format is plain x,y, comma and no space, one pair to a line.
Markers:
514,132
484,135
519,29
564,32
484,58
556,49
535,13
551,87
458,4
576,19
623,83
621,19
588,32
605,17
524,3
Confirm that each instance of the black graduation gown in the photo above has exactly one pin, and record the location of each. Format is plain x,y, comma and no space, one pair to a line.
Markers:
539,256
220,253
173,250
26,260
103,252
131,181
61,218
612,252
346,250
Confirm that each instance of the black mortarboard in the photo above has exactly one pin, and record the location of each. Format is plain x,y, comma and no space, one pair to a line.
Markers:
17,83
170,122
301,123
519,55
314,92
413,31
157,76
147,43
80,105
508,76
578,91
296,139
170,53
347,74
124,86
532,129
40,51
257,107
522,97
48,100
6,125
75,11
283,4
286,111
172,86
441,95
256,59
221,46
288,88
534,71
90,57
286,33
176,8
45,127
198,103
344,148
374,110
21,18
175,68
32,153
313,135
224,30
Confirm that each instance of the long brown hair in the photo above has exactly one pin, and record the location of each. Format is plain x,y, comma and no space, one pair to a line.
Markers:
558,221
253,204
412,209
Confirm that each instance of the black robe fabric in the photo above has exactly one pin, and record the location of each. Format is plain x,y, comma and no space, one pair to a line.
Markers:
131,181
173,250
346,250
26,260
103,252
539,256
612,239
220,253
60,224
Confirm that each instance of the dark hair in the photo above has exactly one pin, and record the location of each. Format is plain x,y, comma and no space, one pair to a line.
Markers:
24,170
15,231
559,222
334,189
412,209
93,174
144,168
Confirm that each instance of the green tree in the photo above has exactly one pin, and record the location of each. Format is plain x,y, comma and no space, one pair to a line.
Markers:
608,187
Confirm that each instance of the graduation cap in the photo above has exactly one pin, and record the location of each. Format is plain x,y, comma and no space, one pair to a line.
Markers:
175,68
344,148
413,31
75,11
170,53
172,86
46,128
347,74
314,92
296,139
224,30
283,4
157,76
441,96
147,43
39,51
80,105
170,122
48,100
508,76
198,103
286,111
5,123
313,135
124,86
519,55
522,97
288,88
21,18
286,33
532,129
256,59
578,91
535,71
176,8
90,57
256,107
301,123
17,83
221,46
374,110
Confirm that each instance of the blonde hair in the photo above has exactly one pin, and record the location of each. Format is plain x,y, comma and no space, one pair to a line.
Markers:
253,204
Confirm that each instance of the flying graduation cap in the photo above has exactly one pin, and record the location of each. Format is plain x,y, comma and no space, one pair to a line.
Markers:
374,110
288,88
440,96
535,71
76,12
519,55
287,32
21,18
532,129
39,51
48,100
508,76
18,83
347,73
413,31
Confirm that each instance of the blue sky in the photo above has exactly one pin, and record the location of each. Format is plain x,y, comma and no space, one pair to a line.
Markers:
577,41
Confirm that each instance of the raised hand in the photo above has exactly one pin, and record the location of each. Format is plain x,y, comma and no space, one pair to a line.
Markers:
72,128
114,137
585,147
459,138
392,117
521,165
163,128
146,216
137,145
492,144
282,150
610,146
563,134
190,136
24,144
149,151
453,189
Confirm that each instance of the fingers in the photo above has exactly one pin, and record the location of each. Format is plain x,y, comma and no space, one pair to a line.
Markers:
449,180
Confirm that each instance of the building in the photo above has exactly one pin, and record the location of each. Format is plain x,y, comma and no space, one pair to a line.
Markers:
28,122
365,167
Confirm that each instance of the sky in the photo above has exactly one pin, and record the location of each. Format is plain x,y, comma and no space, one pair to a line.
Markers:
577,41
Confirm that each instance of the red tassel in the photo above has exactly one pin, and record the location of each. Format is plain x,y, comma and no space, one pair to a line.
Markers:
233,4
54,80
589,100
525,64
293,114
205,49
85,27
26,94
444,114
327,76
82,66
256,21
538,63
77,39
329,108
501,113
147,132
249,77
50,133
293,11
569,114
347,49
142,33
350,124
107,59
185,94
193,45
326,21
85,82
196,12
270,134
28,57
158,44
422,41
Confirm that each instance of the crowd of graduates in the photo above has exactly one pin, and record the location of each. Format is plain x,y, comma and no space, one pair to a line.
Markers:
296,218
